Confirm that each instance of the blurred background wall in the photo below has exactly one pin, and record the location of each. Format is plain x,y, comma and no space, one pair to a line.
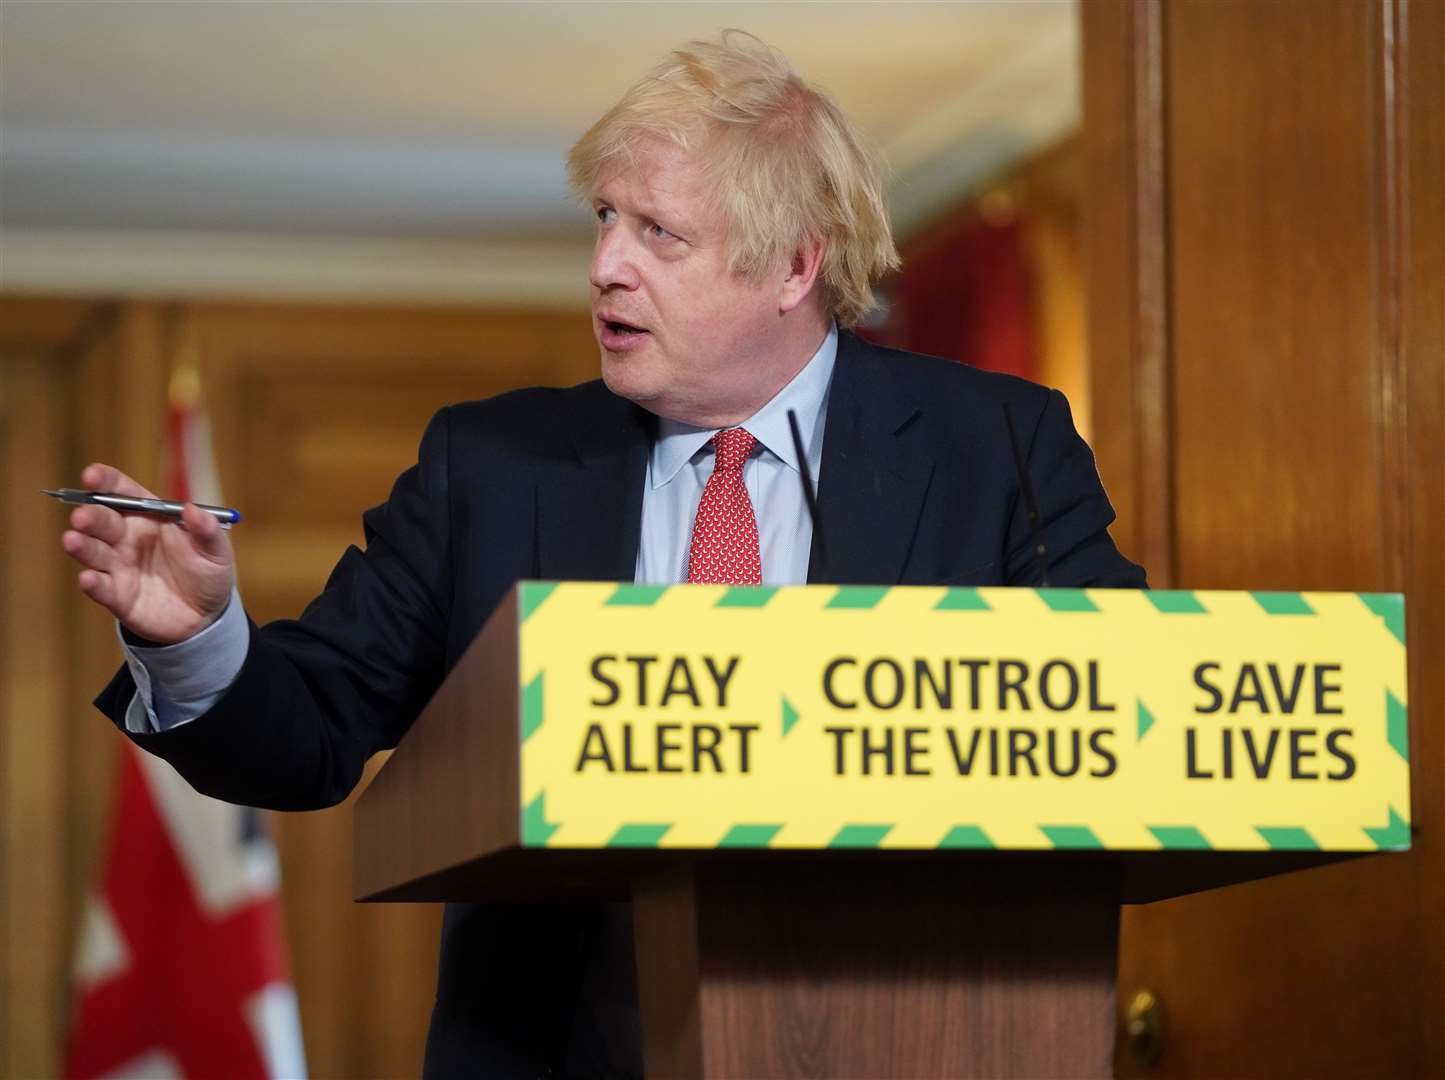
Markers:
1218,225
345,216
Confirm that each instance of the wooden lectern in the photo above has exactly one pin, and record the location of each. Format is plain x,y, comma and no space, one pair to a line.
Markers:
773,962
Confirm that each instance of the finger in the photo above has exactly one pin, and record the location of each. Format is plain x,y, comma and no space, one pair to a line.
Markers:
88,551
99,587
97,476
206,533
101,522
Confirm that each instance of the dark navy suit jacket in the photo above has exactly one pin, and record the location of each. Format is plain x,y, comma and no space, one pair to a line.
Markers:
917,487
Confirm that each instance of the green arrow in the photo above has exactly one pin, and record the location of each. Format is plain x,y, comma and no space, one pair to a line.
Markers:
1067,599
532,707
1287,838
750,836
860,836
1175,602
1283,603
965,836
1397,731
962,600
638,834
1391,608
533,593
1146,720
636,595
1071,836
1395,836
857,597
747,596
536,829
1180,836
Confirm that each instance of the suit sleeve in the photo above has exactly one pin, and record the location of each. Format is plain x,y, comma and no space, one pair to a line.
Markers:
319,695
1074,512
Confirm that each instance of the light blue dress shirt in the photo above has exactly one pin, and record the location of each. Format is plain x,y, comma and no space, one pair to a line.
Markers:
682,460
177,683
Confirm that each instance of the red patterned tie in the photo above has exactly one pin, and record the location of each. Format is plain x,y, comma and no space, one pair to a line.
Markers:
725,535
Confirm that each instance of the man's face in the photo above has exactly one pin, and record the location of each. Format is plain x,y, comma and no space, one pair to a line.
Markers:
679,333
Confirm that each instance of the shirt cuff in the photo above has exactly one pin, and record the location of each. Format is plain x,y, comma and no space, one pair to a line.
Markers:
177,683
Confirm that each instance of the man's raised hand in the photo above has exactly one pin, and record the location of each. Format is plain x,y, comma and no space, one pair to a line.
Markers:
163,581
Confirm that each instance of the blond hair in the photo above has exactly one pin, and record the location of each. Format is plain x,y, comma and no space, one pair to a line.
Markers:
784,164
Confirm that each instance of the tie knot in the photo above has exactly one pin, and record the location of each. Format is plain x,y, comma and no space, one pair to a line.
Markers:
732,448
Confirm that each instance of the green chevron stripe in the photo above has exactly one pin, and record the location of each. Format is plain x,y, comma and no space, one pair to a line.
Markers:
536,829
1283,603
1071,836
1067,599
962,600
1391,608
1397,728
790,716
859,836
747,596
857,597
1176,602
532,707
750,836
965,836
1395,836
533,593
1287,838
1146,720
629,595
638,835
1180,836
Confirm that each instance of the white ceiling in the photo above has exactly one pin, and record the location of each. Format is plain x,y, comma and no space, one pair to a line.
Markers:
448,121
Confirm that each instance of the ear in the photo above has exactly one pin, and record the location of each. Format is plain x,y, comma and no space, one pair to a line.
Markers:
802,275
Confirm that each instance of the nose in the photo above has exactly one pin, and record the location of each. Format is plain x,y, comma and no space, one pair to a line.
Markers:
613,265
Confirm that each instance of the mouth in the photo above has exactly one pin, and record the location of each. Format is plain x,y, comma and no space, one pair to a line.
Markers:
617,326
615,334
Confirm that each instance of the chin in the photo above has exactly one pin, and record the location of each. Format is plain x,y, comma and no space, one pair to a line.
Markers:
623,378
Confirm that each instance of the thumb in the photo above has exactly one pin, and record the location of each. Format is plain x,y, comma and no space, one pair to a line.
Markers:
206,534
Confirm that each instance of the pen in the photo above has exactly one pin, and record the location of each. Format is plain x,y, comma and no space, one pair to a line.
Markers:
127,504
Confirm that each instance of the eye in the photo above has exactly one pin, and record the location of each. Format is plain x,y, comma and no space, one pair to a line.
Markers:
606,215
662,234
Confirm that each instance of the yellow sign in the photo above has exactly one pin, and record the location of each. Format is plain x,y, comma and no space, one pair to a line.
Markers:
699,716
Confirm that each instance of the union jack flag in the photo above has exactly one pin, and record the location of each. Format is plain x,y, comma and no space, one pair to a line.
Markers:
182,967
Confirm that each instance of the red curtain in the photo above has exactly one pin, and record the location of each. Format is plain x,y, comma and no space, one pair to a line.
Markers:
964,293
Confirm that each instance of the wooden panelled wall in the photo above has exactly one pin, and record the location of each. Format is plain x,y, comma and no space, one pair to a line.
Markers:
73,379
1266,266
316,409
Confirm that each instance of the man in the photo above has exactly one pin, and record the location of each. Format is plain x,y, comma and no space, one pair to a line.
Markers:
740,227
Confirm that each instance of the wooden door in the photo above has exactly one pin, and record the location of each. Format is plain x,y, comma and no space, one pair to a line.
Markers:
1264,215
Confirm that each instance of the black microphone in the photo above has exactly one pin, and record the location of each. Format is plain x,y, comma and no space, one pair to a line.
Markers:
1031,506
808,497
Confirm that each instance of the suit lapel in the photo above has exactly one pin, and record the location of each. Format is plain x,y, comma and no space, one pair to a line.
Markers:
590,506
871,486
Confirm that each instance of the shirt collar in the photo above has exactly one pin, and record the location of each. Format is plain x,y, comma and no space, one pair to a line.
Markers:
805,394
